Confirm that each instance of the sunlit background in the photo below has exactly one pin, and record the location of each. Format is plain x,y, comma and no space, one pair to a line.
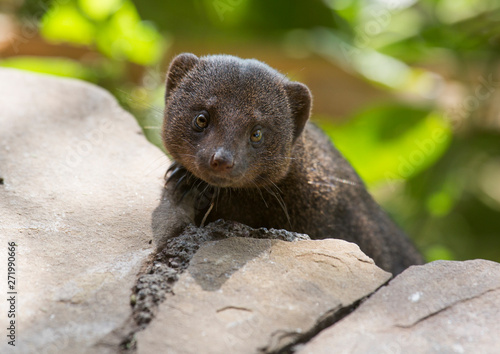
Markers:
408,90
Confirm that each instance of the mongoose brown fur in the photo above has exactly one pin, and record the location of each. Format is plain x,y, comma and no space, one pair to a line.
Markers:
239,134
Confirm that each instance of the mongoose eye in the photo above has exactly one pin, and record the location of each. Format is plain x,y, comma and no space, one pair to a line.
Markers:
200,122
256,136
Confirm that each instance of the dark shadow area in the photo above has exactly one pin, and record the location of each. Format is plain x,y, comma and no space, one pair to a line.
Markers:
211,268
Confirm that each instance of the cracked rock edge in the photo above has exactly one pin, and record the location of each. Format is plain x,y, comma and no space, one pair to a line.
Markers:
171,260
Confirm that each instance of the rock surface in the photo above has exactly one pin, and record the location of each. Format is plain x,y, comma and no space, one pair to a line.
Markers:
80,183
441,307
176,254
242,295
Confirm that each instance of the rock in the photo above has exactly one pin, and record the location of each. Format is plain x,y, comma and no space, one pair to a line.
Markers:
441,307
245,294
159,279
80,183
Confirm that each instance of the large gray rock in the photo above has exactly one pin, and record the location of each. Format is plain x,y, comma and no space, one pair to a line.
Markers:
80,183
242,295
441,307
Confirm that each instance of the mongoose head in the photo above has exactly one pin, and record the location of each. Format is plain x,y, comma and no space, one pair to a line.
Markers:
232,122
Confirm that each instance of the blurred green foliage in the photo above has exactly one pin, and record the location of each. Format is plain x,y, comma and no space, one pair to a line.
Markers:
403,147
435,167
112,26
54,66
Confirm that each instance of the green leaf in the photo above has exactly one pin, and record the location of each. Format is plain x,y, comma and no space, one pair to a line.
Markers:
99,9
64,23
125,36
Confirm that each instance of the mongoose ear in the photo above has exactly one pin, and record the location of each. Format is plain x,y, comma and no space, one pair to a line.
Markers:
299,98
179,67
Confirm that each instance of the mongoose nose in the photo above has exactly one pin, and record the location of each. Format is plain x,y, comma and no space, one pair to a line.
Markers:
222,160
